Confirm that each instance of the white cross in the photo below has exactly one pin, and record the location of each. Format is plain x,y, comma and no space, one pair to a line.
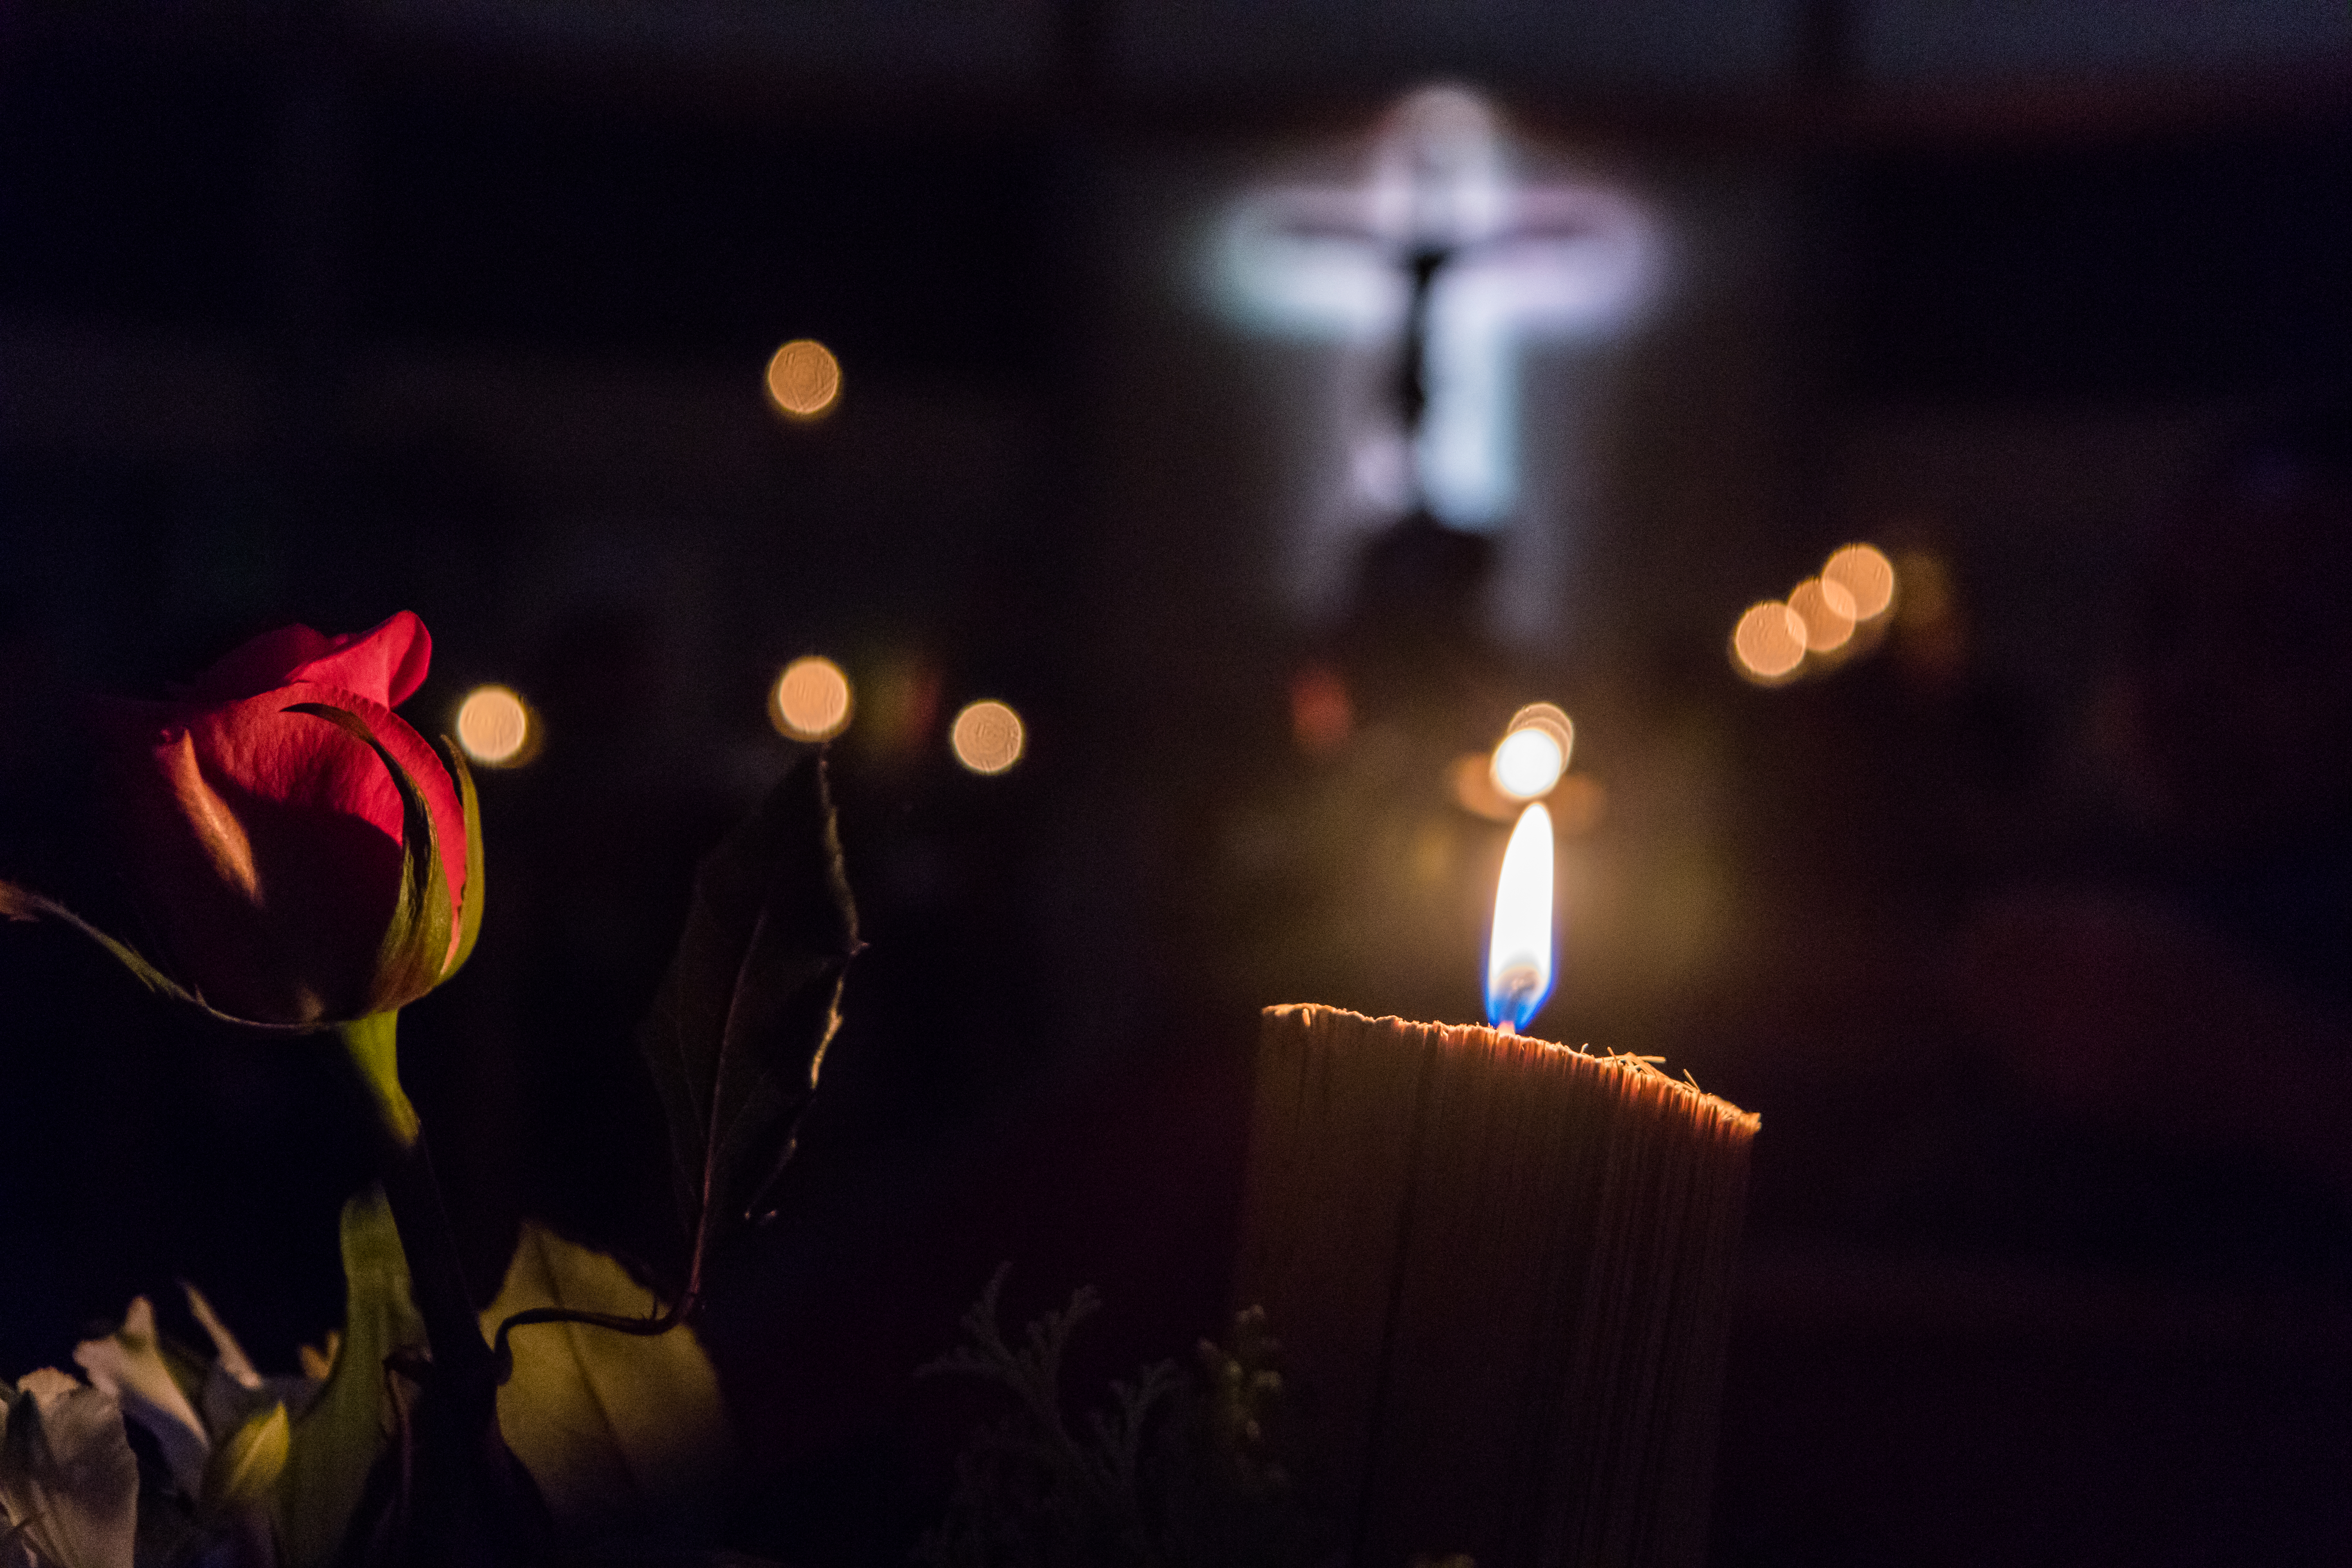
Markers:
1439,228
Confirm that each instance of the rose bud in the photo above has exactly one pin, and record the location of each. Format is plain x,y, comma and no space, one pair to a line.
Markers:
299,854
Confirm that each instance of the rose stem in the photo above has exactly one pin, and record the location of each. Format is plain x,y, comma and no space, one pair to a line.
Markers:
482,1509
434,1272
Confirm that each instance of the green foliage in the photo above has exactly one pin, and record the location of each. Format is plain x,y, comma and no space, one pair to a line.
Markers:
626,1435
624,1432
210,1498
1175,1472
335,1445
740,1025
245,1465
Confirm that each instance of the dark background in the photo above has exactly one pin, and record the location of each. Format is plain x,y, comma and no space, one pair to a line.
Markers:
2027,936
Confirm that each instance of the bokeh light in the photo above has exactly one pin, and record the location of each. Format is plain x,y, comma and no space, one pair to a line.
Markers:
1934,634
987,737
899,708
811,700
496,728
1322,716
1549,719
1866,575
1927,590
803,378
1470,780
1528,762
1769,643
1826,611
1577,806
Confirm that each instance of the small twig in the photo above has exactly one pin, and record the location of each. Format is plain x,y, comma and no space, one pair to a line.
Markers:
502,1353
646,1328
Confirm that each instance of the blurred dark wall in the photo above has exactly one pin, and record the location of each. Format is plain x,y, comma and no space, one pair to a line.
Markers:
465,314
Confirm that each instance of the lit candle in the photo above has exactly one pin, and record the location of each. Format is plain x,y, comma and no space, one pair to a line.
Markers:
1518,951
1500,1269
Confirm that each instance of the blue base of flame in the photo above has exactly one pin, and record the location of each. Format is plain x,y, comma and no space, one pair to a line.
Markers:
1517,995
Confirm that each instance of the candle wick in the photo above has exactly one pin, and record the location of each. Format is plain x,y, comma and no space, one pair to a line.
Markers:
1506,1027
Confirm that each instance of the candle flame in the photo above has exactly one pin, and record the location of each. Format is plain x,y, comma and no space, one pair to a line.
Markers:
1519,955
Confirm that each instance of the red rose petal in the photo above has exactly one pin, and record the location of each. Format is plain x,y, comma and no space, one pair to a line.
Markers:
266,844
323,818
287,758
386,664
257,666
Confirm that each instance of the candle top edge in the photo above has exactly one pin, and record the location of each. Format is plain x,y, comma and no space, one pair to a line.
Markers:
1647,1067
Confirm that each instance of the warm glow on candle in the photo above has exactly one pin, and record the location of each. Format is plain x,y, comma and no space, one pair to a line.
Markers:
1518,953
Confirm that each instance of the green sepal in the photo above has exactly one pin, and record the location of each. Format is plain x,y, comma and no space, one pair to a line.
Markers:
416,947
19,903
470,913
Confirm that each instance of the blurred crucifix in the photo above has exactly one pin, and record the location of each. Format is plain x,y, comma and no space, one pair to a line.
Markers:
1441,258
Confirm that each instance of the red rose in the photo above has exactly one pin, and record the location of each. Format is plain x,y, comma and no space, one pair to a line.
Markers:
266,838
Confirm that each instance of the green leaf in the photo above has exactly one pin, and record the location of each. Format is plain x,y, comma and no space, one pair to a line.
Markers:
336,1443
68,1481
739,1029
626,1436
415,949
245,1465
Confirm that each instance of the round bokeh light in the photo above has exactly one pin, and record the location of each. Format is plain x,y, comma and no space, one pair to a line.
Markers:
1863,571
803,378
1827,611
987,737
811,700
1528,763
496,728
1769,642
